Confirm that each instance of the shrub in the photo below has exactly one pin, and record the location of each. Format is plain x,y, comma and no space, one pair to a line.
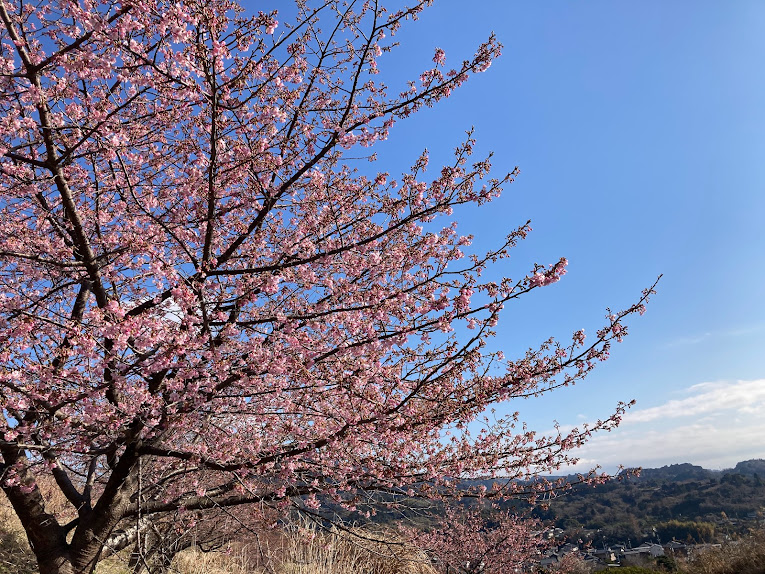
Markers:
745,556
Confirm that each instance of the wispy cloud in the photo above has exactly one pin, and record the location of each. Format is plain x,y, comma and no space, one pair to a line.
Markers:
742,331
707,398
715,425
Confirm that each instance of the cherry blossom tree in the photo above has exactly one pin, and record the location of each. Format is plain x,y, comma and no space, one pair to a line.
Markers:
206,303
467,542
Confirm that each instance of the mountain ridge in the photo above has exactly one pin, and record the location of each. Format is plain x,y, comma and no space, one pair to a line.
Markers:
680,472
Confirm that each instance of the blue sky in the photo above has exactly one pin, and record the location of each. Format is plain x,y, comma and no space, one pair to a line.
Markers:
639,128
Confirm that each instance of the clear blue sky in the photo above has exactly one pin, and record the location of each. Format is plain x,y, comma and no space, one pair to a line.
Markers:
639,128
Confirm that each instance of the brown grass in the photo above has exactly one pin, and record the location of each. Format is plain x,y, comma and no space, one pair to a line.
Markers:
354,552
194,561
299,549
306,549
746,556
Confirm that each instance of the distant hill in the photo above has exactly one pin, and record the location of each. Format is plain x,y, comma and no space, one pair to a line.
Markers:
682,501
675,501
686,471
750,468
678,473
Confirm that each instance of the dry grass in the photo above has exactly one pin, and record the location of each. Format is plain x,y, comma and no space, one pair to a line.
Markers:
355,552
745,556
308,550
194,561
113,565
301,549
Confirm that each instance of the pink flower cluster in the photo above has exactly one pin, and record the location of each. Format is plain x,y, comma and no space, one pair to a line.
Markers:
205,302
548,277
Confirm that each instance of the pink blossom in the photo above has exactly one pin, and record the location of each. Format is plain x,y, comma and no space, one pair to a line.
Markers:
207,303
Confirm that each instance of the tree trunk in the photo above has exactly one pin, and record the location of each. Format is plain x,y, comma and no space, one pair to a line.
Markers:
55,565
46,536
96,526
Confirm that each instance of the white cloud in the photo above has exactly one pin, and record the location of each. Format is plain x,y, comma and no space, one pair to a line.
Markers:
715,426
707,398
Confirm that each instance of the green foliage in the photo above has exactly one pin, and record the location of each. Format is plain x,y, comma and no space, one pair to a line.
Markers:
627,510
686,531
666,563
624,530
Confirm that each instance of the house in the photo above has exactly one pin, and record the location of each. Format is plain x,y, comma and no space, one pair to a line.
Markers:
568,548
550,560
605,554
653,549
675,547
641,555
594,563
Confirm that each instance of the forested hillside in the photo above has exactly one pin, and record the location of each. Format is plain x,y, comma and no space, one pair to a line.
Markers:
681,501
